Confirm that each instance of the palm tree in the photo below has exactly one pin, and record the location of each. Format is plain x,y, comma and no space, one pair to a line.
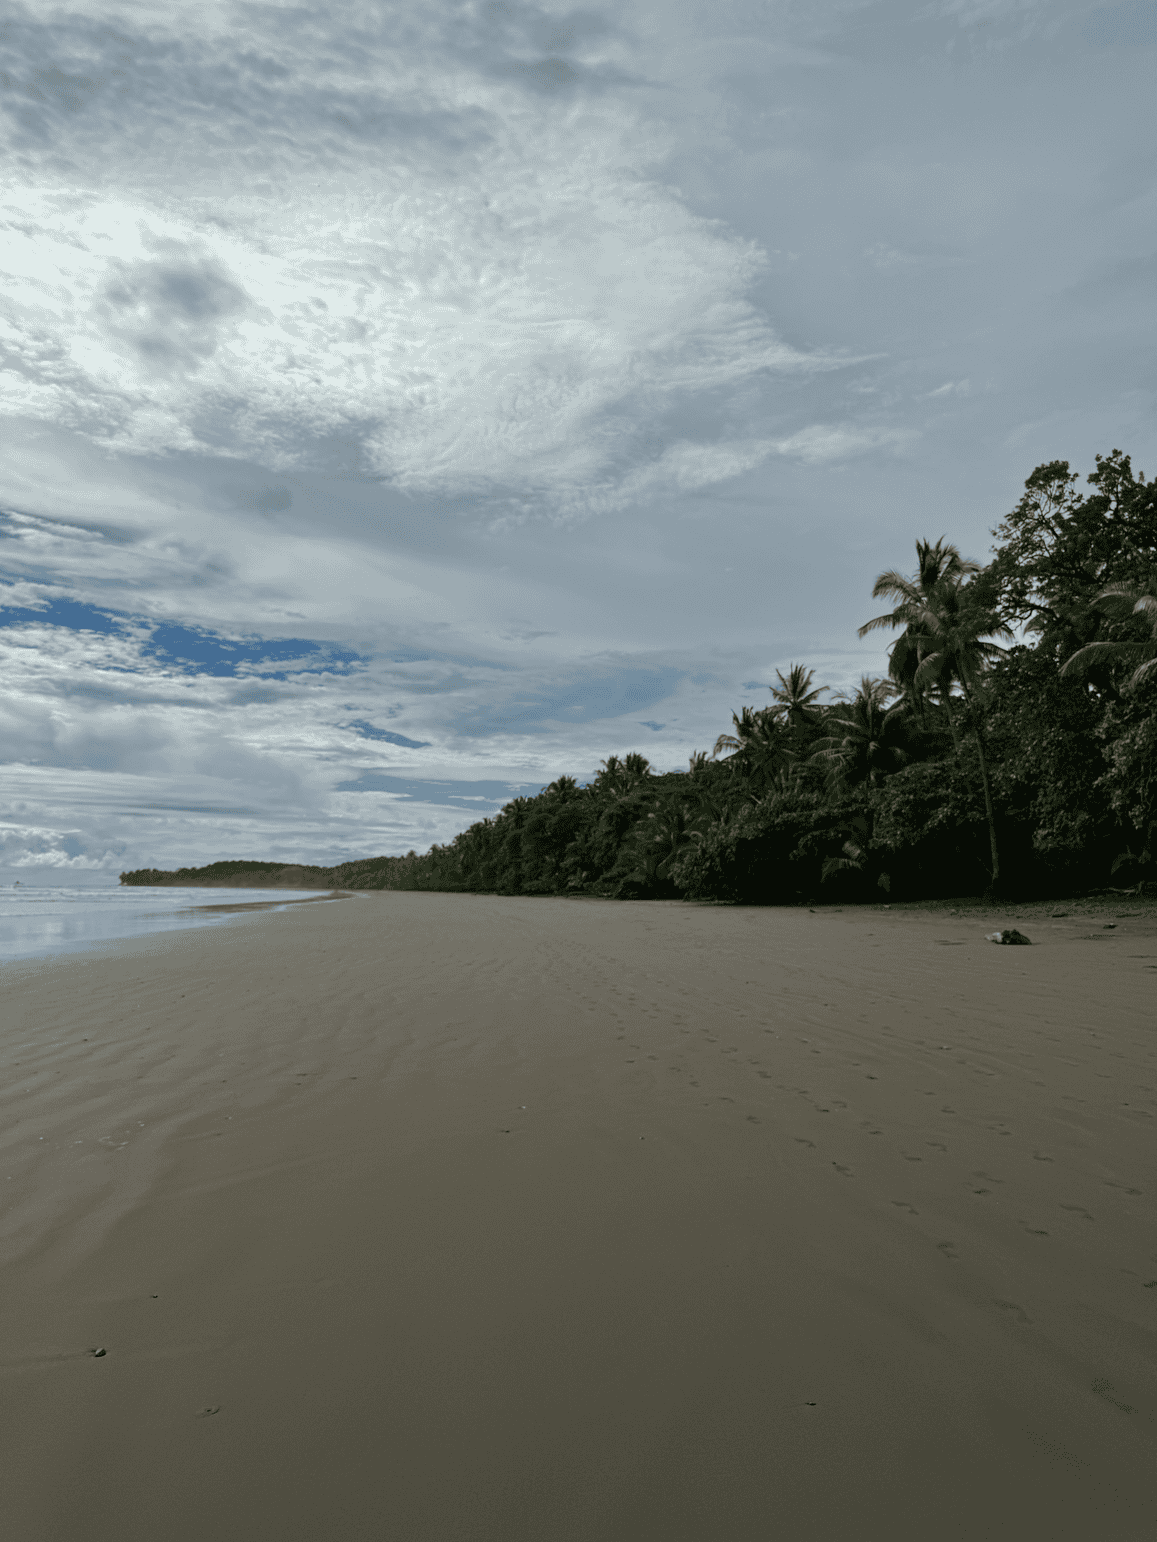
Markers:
757,746
945,635
795,701
749,729
609,773
1121,601
658,839
937,563
861,746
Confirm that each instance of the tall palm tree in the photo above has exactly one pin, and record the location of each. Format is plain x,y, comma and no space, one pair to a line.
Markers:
937,563
863,745
1121,601
795,701
946,635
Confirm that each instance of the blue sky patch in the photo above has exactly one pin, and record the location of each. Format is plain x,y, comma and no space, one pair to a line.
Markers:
368,731
193,650
73,614
207,653
479,798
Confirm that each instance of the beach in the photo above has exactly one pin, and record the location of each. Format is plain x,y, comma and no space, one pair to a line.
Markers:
446,1217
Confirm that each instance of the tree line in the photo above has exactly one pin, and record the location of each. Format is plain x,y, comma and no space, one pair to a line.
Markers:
1010,745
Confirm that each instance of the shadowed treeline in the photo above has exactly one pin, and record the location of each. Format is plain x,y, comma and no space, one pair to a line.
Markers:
978,762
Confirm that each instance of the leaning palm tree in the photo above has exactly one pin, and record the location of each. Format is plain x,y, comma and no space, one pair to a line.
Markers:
946,634
1121,601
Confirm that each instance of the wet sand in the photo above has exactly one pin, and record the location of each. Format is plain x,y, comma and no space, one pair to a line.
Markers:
440,1217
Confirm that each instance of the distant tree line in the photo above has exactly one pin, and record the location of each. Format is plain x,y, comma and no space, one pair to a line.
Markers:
976,763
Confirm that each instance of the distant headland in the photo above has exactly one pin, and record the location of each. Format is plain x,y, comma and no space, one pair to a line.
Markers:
368,874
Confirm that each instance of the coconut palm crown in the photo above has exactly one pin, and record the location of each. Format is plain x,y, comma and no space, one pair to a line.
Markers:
1121,601
795,701
947,638
863,744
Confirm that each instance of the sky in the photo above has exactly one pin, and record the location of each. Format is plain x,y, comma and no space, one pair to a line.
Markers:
404,405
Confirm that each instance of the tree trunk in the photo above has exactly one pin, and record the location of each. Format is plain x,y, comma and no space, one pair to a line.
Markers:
952,725
984,783
988,811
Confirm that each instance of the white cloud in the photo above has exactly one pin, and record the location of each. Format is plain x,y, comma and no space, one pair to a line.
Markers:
349,231
312,312
829,442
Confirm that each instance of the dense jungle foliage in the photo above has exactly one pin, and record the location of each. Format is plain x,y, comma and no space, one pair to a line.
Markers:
977,763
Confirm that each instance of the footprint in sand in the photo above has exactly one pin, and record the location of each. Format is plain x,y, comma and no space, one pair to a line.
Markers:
1033,1231
1109,1184
948,1249
1105,1389
902,1204
846,1172
1022,1316
751,1119
801,1140
1078,1210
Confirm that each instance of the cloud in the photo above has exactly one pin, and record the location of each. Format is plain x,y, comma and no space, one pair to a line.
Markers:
320,330
171,310
830,442
265,500
485,288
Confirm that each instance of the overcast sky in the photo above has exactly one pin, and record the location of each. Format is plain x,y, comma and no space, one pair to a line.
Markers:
406,403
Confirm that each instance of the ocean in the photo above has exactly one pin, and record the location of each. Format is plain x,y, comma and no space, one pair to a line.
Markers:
38,919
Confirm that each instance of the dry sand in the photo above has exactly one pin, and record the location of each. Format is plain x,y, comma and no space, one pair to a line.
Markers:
437,1217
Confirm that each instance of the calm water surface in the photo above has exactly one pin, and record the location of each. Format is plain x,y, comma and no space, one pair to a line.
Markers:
38,919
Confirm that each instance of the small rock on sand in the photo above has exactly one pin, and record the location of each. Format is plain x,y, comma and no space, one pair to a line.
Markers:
1011,938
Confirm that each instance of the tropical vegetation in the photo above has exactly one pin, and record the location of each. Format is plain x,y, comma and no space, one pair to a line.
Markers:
1009,743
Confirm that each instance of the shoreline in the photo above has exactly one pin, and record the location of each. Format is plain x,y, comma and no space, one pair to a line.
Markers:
508,1218
50,922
